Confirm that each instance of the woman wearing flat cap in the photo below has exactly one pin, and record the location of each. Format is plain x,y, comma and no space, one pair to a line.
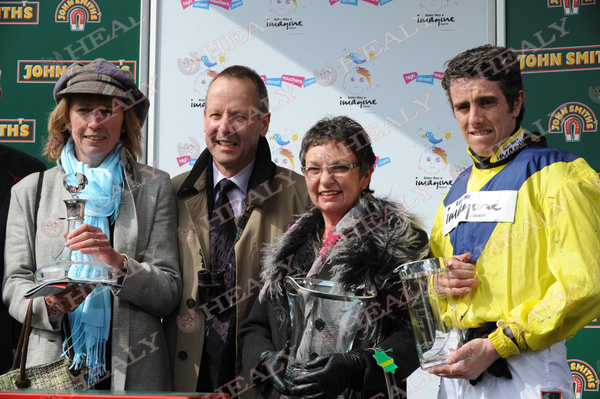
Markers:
129,224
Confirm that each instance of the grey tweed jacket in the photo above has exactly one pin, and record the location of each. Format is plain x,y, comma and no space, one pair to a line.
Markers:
145,231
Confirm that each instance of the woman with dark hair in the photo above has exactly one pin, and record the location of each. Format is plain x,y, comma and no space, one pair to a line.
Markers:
129,224
351,238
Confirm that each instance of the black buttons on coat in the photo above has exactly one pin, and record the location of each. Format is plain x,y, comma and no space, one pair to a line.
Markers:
319,324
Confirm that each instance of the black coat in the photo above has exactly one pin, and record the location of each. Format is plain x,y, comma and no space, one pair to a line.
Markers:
385,238
14,165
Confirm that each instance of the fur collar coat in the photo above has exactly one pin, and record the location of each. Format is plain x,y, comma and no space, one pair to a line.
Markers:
376,237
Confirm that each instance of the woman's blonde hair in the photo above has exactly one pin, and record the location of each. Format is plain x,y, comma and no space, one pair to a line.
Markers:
59,133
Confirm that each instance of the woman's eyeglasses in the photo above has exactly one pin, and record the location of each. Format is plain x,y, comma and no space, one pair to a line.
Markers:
313,172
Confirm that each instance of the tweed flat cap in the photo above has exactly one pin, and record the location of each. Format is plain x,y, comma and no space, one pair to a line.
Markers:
102,78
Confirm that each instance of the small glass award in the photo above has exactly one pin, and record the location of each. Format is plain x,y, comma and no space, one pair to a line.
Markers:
73,266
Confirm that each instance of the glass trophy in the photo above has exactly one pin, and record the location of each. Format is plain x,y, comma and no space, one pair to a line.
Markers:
70,266
436,330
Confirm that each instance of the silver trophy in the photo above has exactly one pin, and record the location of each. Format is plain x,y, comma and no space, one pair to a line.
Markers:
322,320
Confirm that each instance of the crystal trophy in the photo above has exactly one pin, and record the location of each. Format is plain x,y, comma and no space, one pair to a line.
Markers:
72,265
436,330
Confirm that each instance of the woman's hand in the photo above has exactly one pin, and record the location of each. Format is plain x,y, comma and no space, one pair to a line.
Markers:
70,300
91,240
460,276
274,364
328,376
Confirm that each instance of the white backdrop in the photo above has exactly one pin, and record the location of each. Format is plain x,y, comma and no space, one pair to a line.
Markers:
379,62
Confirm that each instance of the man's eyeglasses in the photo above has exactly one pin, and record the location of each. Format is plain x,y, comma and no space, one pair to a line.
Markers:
313,172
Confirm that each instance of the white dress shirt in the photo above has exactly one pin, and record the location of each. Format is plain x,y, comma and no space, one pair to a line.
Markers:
238,194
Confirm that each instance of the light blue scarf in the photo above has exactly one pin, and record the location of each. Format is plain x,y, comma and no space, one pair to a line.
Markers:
90,322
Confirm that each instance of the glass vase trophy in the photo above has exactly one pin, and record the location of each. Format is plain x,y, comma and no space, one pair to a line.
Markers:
322,320
433,313
69,267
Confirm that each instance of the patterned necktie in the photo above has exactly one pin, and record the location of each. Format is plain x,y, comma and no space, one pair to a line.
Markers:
222,232
221,353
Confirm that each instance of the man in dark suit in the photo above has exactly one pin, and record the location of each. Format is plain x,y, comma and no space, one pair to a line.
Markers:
14,165
202,333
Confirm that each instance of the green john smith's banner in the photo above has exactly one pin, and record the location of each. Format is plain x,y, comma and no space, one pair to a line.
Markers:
559,51
558,42
39,39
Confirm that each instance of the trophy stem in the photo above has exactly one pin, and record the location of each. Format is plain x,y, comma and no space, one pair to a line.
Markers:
68,265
